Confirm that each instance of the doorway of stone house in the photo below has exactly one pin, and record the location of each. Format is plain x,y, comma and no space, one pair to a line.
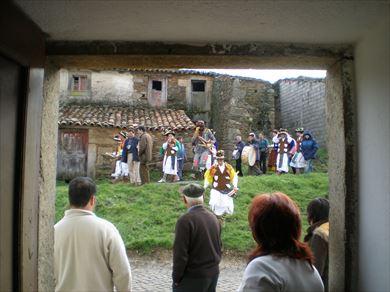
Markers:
97,105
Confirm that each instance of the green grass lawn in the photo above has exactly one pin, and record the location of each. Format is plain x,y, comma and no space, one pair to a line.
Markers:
146,215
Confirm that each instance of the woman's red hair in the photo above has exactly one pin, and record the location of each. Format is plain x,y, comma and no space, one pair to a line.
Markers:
276,227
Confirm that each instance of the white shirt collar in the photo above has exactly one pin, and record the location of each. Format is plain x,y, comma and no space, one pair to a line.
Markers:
222,167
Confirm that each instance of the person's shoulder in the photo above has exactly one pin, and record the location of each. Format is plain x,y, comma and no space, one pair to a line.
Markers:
268,263
104,224
184,219
322,231
264,267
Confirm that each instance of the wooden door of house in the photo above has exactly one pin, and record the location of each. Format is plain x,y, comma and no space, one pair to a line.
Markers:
72,153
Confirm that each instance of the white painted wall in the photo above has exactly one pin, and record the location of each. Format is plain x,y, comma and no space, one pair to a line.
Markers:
112,86
373,98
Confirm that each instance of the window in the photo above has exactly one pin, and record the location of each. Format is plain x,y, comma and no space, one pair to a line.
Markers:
157,85
79,83
198,85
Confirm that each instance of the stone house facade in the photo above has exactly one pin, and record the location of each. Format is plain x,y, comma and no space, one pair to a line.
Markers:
230,105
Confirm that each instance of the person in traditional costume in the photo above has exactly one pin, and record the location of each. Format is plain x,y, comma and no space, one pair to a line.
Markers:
298,162
170,148
273,152
309,149
284,147
120,170
223,181
203,142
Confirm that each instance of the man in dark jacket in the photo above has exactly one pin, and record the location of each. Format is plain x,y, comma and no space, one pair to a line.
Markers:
197,245
318,235
254,143
131,152
263,148
309,149
239,146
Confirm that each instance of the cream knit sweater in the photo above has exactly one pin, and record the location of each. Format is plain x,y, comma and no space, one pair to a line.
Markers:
89,254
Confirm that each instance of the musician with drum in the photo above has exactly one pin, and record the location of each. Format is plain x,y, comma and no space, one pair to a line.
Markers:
203,141
250,155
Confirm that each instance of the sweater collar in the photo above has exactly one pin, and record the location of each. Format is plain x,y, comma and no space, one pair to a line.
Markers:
78,212
194,207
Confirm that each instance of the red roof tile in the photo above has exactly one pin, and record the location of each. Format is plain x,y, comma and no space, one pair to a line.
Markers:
123,117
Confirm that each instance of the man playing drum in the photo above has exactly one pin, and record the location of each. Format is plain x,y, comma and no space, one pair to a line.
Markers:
223,181
298,162
253,168
203,141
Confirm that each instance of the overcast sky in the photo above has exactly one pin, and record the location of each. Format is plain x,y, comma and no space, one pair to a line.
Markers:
268,75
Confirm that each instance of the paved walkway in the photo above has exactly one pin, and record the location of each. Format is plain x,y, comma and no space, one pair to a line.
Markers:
154,274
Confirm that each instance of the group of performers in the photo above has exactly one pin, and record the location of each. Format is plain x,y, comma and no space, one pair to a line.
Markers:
284,153
287,152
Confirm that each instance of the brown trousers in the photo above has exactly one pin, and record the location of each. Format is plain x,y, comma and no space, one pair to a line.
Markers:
144,173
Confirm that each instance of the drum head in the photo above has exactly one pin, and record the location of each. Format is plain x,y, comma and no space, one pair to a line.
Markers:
252,156
245,154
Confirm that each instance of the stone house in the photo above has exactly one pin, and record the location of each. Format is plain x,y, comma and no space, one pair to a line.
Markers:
95,105
86,133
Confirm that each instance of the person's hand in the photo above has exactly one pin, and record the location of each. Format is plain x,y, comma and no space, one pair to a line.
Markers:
235,189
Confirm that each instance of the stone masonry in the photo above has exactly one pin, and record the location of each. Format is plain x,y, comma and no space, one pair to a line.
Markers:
301,103
240,106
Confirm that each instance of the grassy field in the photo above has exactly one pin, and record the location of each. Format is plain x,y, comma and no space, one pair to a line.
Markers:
146,215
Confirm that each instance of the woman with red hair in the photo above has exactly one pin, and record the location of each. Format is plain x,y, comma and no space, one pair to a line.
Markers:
280,262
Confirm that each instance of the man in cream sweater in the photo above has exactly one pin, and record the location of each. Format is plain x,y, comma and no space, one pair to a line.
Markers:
89,253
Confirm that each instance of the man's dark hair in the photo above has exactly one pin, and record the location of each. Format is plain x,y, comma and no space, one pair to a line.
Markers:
141,128
80,191
318,210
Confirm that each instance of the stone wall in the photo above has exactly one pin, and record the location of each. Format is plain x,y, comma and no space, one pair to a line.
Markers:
240,106
301,103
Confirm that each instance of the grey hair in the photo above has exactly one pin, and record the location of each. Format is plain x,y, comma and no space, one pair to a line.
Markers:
194,201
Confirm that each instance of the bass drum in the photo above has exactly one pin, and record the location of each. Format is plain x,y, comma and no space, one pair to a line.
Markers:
248,155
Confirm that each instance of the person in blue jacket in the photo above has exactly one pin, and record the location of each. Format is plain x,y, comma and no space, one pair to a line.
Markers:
309,149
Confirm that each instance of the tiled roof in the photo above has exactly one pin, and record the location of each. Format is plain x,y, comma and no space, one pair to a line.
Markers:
123,117
186,72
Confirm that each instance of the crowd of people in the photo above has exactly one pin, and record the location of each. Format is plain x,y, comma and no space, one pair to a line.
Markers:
90,255
282,154
133,153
